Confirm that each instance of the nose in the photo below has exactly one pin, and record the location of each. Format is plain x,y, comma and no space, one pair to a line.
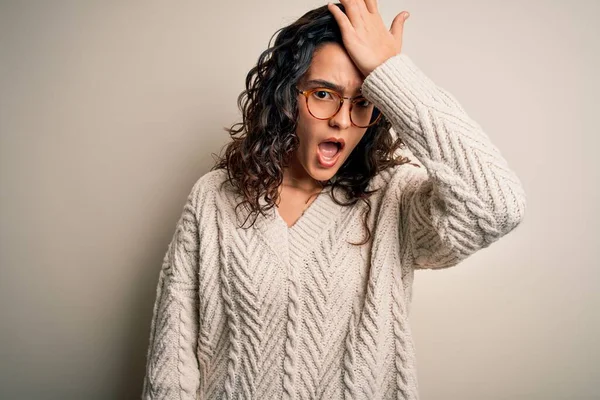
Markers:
342,117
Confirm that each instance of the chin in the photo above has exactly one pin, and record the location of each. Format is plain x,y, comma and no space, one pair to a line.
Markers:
322,173
319,172
323,176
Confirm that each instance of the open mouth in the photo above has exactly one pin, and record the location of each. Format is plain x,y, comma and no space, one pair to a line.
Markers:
329,149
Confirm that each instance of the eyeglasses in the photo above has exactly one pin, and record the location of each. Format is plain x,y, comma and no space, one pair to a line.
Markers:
324,103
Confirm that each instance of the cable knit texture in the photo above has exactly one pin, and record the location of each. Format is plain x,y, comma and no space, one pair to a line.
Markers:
278,312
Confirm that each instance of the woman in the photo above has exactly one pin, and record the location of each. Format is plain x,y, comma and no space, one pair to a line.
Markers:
311,299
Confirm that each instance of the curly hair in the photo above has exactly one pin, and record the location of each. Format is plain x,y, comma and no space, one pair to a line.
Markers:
255,160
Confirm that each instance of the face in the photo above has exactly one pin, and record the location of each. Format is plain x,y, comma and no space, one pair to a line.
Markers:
330,63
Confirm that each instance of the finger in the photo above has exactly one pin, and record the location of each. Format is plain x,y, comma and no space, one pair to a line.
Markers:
341,18
362,6
398,25
353,12
372,6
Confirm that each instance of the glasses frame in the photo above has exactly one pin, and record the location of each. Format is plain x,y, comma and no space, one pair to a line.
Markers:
307,93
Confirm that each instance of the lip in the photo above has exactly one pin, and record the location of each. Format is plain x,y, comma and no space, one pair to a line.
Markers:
328,163
334,139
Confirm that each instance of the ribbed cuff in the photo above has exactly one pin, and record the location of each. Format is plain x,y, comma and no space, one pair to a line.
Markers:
397,86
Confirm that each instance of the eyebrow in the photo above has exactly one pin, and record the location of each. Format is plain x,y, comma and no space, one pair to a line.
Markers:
330,85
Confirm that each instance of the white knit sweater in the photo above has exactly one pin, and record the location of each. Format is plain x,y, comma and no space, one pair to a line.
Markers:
273,312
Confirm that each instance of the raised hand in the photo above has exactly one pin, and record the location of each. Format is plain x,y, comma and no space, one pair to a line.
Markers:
365,36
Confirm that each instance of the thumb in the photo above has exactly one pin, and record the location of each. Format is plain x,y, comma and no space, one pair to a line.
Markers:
398,25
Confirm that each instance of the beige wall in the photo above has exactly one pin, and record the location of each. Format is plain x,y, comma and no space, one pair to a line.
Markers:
109,112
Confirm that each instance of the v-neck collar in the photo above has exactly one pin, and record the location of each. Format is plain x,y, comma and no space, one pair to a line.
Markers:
278,216
292,243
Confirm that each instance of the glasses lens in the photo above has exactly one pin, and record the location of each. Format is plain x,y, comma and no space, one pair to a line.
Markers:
364,113
323,103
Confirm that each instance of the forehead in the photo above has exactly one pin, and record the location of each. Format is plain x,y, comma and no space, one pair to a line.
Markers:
332,63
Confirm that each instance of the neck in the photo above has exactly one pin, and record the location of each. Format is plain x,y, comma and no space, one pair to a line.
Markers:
295,176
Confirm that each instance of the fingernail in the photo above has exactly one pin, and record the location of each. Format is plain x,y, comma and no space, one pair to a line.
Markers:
406,15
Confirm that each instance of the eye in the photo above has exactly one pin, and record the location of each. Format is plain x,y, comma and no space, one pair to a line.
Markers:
322,94
362,102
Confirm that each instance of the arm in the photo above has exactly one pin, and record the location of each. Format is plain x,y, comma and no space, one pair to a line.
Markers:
466,196
171,363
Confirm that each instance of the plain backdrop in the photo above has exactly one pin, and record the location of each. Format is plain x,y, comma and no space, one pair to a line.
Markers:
110,110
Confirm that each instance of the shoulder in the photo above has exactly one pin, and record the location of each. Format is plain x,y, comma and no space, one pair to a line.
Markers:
208,183
210,179
204,189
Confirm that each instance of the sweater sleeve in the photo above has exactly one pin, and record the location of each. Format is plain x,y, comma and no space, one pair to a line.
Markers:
172,370
464,196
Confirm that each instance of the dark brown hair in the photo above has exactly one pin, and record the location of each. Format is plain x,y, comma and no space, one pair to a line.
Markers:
267,134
